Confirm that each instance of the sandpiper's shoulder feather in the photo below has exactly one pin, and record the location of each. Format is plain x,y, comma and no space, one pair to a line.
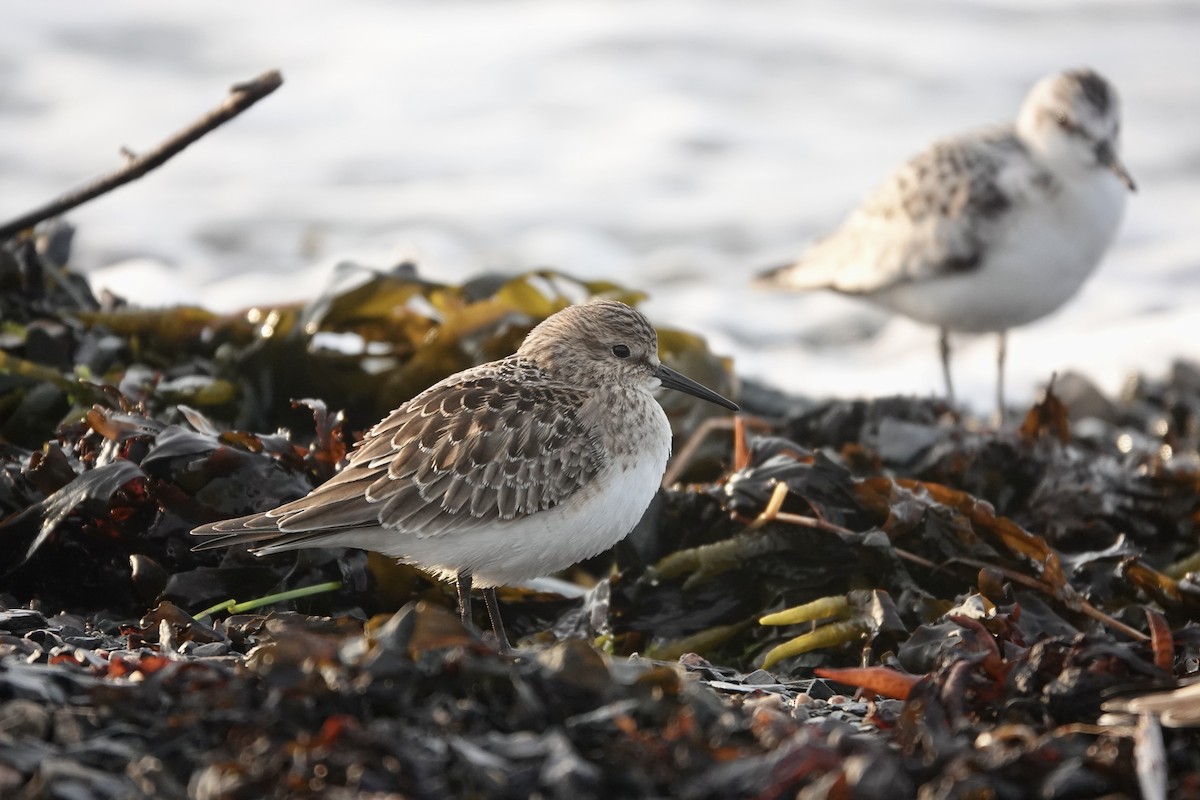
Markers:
932,217
490,444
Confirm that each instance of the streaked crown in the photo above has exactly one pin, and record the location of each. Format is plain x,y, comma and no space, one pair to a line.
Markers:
1073,121
598,341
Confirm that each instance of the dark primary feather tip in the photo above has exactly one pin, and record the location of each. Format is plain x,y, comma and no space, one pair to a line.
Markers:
770,278
775,277
218,540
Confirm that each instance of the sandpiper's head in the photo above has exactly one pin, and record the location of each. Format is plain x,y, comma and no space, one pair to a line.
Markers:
1073,121
606,343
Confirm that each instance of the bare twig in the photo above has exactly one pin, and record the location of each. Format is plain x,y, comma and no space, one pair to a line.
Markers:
1085,608
241,97
705,429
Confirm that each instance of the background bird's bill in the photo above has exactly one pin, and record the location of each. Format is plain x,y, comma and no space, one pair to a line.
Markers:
1106,156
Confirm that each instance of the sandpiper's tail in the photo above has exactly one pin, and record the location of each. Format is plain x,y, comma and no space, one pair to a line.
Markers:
252,529
772,278
800,275
261,533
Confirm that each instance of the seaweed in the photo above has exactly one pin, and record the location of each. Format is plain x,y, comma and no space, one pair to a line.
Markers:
846,598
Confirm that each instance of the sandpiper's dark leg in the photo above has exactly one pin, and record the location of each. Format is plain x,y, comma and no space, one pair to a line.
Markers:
944,348
463,584
493,607
1000,356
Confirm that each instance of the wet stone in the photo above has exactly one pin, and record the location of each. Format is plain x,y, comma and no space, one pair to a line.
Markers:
45,639
204,650
69,727
20,719
20,621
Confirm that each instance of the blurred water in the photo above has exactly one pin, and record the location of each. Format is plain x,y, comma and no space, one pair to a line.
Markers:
674,146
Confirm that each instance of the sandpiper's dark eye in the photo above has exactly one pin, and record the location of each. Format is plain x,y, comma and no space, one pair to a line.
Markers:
620,351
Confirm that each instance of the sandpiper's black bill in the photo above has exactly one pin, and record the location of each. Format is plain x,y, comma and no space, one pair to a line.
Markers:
1108,157
682,383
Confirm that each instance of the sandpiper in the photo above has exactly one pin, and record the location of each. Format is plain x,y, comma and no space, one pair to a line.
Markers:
503,472
990,229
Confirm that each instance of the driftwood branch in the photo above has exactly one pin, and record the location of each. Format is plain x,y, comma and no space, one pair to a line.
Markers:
241,97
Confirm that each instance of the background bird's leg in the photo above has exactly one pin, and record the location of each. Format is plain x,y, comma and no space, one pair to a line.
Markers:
493,607
1001,353
944,349
463,583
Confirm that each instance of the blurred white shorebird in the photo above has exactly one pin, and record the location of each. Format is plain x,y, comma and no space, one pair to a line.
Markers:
503,472
990,229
